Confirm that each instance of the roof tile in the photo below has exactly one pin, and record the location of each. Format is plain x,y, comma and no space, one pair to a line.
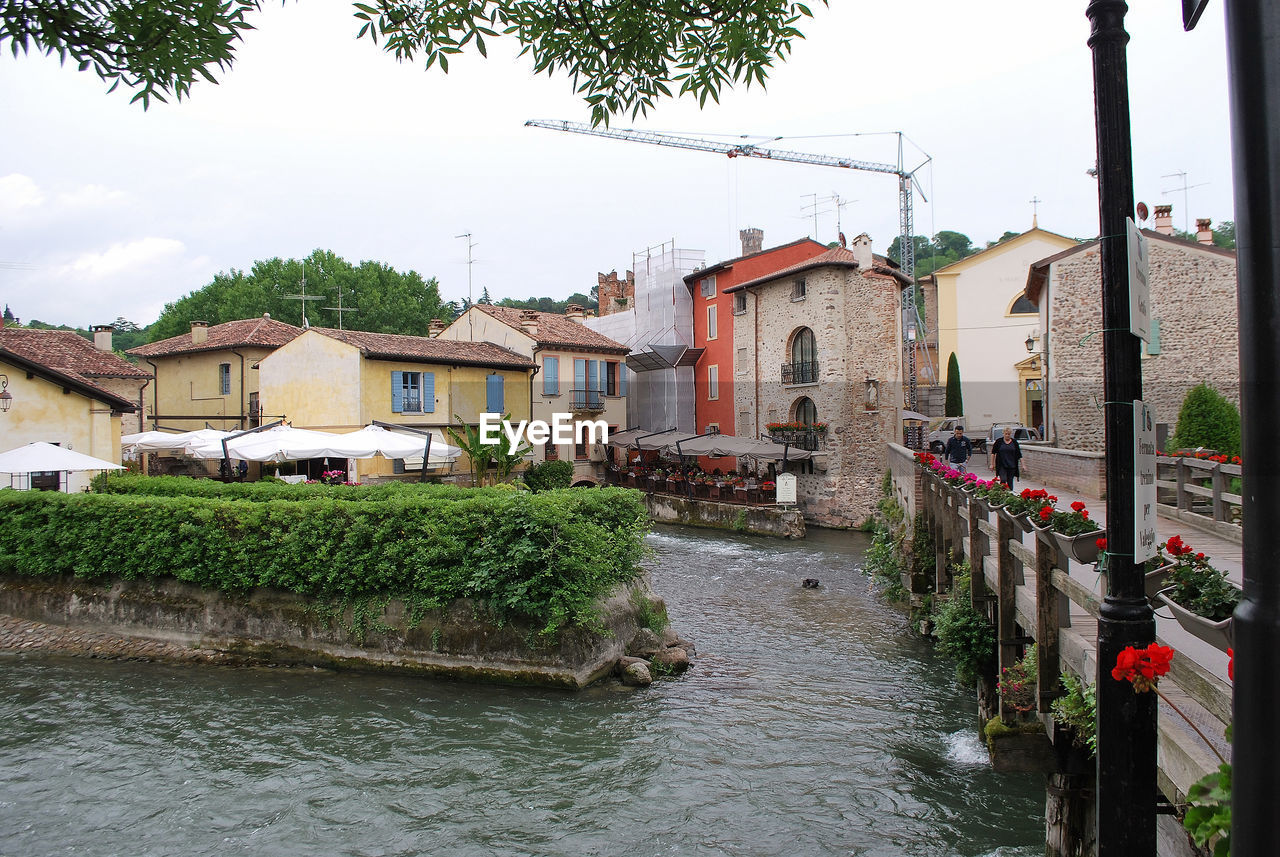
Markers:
394,345
554,329
265,332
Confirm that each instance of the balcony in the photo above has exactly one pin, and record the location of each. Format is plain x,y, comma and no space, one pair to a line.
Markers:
810,440
800,373
589,401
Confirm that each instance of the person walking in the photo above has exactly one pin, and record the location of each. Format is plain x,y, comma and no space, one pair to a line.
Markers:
958,450
1005,455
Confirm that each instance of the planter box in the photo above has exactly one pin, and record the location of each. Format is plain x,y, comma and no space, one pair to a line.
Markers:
1216,634
1082,548
1157,580
1021,521
1024,748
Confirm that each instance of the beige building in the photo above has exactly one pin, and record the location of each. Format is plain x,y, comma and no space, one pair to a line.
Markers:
1194,332
984,318
580,372
818,344
65,391
209,375
343,380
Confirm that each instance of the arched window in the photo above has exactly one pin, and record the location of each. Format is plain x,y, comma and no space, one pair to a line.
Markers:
805,411
803,368
1022,306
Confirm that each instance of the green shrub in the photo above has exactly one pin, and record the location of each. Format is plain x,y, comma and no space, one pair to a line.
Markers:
274,489
1207,419
963,634
955,399
546,557
549,475
1078,709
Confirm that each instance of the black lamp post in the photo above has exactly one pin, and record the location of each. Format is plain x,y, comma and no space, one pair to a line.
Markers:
1126,793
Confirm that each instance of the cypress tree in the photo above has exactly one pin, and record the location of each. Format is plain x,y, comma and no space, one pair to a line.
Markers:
1207,419
955,403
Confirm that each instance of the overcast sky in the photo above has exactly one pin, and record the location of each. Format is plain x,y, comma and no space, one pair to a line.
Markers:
317,140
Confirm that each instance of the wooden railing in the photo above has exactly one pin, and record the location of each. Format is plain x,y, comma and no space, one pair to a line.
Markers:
1200,487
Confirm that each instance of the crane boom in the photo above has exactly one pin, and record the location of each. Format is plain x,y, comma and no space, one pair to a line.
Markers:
906,181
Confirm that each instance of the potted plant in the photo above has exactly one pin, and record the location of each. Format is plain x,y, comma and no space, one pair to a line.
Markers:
1199,595
1076,534
1019,743
1022,506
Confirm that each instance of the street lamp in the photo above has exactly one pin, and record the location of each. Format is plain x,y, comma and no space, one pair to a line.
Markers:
6,398
1031,344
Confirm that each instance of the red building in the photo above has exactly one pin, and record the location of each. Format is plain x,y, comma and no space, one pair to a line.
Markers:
713,317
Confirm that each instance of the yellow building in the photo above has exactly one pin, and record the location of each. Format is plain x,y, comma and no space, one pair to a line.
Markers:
62,390
209,375
580,372
342,380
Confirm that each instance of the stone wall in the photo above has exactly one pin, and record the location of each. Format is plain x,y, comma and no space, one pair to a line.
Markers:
758,520
907,490
276,627
1193,295
855,321
1080,471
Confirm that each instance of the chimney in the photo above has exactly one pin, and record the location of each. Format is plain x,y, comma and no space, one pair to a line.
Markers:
1203,233
435,328
575,312
1164,219
102,336
199,332
529,321
861,248
752,240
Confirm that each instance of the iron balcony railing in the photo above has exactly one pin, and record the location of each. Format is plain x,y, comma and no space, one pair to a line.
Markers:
810,440
800,373
587,400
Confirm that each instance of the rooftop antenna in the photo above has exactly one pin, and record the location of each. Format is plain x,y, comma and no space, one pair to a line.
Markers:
816,207
471,333
304,297
340,309
1182,174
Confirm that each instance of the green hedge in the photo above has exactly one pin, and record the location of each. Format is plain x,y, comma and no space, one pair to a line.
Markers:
270,489
547,557
549,475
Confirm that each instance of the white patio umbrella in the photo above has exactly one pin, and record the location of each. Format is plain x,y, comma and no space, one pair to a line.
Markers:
282,443
375,440
40,457
160,441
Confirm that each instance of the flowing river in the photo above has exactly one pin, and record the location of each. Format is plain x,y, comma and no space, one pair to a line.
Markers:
812,723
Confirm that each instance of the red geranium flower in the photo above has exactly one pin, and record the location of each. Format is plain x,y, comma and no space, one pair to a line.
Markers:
1045,512
1231,663
1102,544
1077,506
1144,667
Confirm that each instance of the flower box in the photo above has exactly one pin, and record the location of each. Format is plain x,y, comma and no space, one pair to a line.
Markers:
1023,747
1082,548
1154,581
1217,634
1020,520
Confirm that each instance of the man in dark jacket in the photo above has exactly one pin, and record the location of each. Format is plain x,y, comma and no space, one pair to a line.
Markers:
1005,455
958,449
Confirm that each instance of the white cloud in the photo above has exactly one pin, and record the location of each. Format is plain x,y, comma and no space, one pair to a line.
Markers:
18,193
121,257
91,196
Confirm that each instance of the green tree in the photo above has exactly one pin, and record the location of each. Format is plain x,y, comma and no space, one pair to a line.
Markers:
384,300
955,401
1003,238
1207,419
1225,235
620,56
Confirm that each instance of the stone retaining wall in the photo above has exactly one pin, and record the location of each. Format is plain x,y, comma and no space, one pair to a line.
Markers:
1067,469
165,617
760,520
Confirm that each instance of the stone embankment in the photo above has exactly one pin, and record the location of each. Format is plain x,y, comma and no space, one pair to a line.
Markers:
26,635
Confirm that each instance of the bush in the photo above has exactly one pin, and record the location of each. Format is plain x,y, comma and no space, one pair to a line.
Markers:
1078,709
549,475
963,634
273,489
1207,419
547,557
955,401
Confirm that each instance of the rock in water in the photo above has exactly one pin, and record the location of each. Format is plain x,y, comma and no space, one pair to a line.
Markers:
674,658
637,674
810,583
644,644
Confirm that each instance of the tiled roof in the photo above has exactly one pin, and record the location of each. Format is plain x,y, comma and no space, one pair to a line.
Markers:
555,330
394,346
65,357
692,279
264,332
837,256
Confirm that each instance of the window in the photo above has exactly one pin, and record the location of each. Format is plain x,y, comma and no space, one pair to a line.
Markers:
588,384
224,379
1022,306
550,376
712,328
623,372
580,448
713,382
744,424
494,398
611,378
798,290
803,368
550,452
413,392
709,286
739,303
805,411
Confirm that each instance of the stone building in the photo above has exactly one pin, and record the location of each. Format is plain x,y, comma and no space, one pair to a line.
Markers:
614,294
1193,321
819,343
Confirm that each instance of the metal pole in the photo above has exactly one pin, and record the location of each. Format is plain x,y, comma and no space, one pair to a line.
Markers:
1126,794
1253,31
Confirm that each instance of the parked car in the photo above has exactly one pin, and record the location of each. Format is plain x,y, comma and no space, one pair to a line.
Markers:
942,431
1021,433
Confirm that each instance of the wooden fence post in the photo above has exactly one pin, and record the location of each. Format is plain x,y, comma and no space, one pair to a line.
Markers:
1006,605
1048,620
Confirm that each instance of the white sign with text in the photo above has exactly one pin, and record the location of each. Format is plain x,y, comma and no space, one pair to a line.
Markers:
1139,290
786,486
1144,482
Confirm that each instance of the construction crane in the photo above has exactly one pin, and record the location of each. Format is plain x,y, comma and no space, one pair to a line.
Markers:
914,329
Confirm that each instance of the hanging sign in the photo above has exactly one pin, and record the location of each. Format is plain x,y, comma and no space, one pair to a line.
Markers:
786,487
1144,482
1139,290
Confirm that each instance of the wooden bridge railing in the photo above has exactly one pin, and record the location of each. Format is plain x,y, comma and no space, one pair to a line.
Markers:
1181,485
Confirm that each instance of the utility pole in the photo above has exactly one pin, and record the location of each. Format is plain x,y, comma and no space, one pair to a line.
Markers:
1126,758
304,297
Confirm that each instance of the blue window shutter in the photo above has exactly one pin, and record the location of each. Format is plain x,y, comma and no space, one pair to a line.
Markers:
551,376
622,378
593,374
428,392
397,392
493,394
1153,346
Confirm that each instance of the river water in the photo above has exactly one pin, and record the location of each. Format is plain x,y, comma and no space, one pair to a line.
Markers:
812,723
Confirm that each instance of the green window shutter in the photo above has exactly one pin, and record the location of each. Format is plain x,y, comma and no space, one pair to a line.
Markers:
1153,345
